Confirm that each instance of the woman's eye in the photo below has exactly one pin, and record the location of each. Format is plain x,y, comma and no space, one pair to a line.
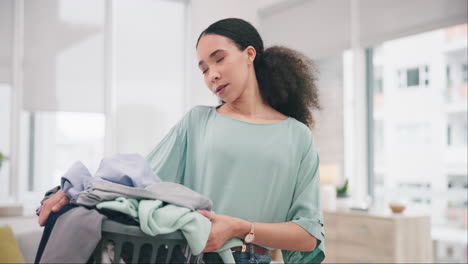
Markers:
203,72
220,60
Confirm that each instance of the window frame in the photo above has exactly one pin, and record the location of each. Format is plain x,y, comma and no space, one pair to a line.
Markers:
370,124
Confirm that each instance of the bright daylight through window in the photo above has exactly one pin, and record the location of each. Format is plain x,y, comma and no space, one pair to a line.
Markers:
419,120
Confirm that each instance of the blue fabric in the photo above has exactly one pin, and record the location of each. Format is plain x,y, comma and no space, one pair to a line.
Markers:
239,257
76,180
126,169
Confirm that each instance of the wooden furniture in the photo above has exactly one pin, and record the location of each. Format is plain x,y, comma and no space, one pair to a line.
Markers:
365,237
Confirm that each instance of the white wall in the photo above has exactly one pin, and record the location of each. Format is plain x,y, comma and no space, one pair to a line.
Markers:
317,28
323,28
329,128
382,20
149,61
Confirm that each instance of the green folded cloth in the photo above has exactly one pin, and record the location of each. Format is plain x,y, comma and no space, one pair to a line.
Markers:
121,204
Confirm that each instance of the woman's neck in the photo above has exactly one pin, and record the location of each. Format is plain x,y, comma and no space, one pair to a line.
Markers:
250,103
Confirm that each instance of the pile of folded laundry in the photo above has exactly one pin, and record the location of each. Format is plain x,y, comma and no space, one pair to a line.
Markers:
124,189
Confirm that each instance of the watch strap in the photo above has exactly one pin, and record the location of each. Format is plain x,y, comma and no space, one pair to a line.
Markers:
252,227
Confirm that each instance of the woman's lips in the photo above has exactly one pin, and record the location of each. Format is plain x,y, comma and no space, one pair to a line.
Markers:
222,90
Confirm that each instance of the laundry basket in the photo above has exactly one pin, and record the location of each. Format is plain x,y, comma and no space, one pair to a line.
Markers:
130,244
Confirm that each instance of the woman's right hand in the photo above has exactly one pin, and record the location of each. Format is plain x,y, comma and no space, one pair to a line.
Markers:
54,204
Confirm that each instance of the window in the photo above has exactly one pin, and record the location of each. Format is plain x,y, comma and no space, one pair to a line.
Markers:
378,135
426,75
57,140
68,102
378,83
420,140
413,77
457,130
456,203
448,76
465,72
456,79
5,106
449,135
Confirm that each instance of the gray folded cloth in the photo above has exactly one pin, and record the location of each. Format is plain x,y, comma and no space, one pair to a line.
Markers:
74,237
168,192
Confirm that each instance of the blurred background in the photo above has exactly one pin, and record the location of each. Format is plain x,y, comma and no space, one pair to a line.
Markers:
81,79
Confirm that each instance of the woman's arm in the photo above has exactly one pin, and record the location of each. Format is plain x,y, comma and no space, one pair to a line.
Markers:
286,235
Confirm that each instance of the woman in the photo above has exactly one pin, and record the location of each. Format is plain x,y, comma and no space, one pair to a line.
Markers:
254,155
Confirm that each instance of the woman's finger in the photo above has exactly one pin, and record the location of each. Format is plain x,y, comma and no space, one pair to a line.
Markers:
206,214
43,215
64,201
211,246
208,248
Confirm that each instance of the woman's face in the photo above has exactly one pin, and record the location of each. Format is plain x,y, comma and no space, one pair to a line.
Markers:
225,68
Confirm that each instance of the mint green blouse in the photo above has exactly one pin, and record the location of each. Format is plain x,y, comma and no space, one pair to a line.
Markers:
262,172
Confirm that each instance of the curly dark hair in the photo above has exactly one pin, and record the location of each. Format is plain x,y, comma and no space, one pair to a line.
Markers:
286,78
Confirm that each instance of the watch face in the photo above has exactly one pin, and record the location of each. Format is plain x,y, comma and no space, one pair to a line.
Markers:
249,238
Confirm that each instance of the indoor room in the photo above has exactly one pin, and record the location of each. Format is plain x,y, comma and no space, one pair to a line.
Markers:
343,138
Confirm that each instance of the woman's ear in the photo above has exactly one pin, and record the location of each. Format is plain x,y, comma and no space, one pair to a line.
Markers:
251,54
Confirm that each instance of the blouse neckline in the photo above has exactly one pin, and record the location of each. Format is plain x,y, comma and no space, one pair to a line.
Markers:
245,122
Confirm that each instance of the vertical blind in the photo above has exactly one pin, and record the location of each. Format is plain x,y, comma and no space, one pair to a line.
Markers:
6,40
63,67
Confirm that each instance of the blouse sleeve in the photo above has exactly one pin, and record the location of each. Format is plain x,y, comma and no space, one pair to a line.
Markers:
305,209
167,159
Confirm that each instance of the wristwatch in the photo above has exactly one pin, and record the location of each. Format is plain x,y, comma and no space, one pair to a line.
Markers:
250,237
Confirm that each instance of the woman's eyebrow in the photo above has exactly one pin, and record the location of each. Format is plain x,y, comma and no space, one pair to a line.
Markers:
211,55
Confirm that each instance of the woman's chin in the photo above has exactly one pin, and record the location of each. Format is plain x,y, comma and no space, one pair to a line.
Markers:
224,99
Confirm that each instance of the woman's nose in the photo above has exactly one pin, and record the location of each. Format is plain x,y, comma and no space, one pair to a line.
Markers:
215,76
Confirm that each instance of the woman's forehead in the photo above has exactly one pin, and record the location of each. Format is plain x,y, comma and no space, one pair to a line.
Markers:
210,42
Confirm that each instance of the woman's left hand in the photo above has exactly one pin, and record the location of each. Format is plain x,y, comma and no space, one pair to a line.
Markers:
222,229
